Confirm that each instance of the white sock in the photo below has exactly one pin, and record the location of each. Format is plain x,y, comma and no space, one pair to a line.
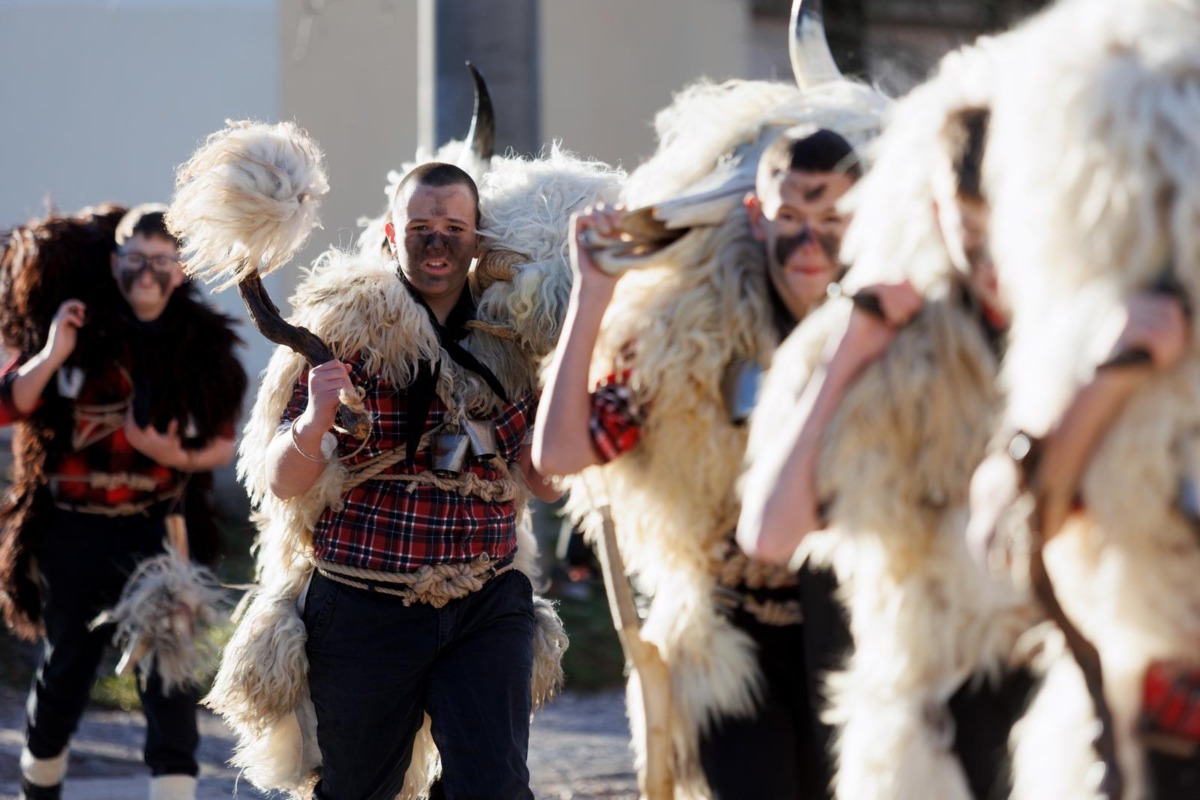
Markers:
173,787
43,771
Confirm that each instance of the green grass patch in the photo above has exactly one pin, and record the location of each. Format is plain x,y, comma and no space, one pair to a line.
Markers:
594,660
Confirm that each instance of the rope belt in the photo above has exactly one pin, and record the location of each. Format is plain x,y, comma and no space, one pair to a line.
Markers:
96,422
119,510
739,577
109,480
776,613
502,490
432,584
737,569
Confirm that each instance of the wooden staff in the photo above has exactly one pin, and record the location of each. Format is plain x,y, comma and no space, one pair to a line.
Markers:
655,780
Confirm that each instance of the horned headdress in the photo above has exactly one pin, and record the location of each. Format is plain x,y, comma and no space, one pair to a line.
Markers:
694,303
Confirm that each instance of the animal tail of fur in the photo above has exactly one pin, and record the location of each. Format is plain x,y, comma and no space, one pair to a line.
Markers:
549,644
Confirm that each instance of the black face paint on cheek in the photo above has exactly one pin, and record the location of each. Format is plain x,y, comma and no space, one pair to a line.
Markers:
786,245
830,243
129,277
422,247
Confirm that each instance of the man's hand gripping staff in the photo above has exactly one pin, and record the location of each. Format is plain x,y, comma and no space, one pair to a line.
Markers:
244,203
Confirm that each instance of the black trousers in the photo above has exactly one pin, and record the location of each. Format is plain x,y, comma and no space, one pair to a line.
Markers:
783,750
376,667
85,561
983,717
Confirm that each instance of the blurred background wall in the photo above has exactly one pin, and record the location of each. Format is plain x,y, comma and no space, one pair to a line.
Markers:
102,99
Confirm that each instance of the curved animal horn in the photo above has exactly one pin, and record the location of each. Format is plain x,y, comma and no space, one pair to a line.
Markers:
498,265
482,135
812,61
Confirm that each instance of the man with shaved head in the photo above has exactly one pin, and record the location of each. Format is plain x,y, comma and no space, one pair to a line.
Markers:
392,635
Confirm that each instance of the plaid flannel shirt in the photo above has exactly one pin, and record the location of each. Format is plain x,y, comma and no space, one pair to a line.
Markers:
616,418
110,455
395,526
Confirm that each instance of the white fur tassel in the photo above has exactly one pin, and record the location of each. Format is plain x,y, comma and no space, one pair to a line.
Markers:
247,200
166,608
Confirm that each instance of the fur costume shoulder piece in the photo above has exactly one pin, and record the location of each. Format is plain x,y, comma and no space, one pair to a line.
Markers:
526,207
359,306
677,330
1091,205
676,325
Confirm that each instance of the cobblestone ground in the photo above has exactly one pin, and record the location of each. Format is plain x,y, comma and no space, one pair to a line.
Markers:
579,750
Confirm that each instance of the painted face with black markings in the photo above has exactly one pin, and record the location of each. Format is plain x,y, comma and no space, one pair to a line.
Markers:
435,241
147,270
798,220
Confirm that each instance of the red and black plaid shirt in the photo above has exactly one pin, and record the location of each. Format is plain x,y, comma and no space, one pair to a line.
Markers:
616,419
111,454
396,526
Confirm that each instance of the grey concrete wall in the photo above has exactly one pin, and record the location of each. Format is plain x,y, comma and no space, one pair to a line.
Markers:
101,100
349,77
607,67
501,40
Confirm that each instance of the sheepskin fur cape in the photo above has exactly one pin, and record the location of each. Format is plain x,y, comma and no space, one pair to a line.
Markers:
895,467
677,324
357,305
1092,201
191,361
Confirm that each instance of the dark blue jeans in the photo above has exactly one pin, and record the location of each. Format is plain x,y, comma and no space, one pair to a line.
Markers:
86,560
376,667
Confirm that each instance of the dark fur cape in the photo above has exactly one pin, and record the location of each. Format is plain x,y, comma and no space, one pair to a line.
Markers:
189,358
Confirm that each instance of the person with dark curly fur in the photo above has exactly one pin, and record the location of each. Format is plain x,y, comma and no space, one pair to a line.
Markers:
124,392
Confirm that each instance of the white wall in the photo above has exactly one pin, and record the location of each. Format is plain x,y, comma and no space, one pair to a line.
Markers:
102,99
349,77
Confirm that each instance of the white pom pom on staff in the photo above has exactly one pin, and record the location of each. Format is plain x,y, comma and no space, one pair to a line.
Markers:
247,200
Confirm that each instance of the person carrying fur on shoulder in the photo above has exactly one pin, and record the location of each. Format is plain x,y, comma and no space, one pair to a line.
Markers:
392,634
1091,497
768,743
122,414
861,450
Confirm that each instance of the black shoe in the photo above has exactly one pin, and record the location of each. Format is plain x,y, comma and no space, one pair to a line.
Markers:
31,792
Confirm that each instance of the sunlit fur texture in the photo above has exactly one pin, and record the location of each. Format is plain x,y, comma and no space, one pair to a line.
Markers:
896,463
526,205
678,322
1095,193
247,200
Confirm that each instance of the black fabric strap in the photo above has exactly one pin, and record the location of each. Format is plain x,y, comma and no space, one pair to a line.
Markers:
421,390
143,385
